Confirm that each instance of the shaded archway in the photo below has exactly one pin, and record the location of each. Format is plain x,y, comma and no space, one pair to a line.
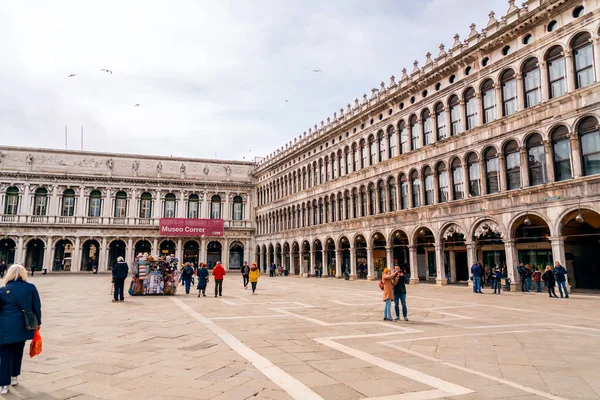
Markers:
167,248
426,261
278,259
264,263
90,254
305,259
344,245
286,256
7,251
532,242
35,254
318,254
489,246
360,244
271,256
236,255
329,264
191,252
296,258
213,253
581,233
63,253
116,249
143,246
401,256
456,264
378,244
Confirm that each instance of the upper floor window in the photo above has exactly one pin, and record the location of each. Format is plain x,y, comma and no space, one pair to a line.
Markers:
146,205
509,92
416,189
531,83
488,94
552,26
513,165
382,196
40,201
356,157
528,38
170,202
561,147
381,142
392,194
474,175
583,60
492,178
120,205
557,73
414,132
373,147
363,154
471,108
11,203
442,174
403,138
363,202
458,180
372,199
355,204
321,172
537,160
578,11
440,116
238,208
193,206
215,207
427,127
327,166
403,192
589,135
454,104
95,205
392,139
429,186
67,208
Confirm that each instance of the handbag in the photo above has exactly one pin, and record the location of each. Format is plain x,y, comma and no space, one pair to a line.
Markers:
31,321
381,284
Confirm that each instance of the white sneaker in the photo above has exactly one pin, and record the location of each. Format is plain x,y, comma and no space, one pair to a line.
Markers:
4,390
14,381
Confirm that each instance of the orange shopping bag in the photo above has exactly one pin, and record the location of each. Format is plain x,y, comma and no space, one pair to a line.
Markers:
35,347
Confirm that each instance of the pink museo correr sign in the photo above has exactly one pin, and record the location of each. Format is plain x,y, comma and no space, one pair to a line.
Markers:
191,227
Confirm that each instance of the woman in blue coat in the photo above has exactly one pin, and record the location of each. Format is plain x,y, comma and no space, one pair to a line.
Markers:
15,296
202,280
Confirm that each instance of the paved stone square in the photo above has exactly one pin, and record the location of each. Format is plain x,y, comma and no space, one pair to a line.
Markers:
310,339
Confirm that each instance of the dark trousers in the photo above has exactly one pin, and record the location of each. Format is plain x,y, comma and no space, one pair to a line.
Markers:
523,284
271,273
218,287
253,286
188,283
402,299
551,291
497,285
245,280
11,356
119,289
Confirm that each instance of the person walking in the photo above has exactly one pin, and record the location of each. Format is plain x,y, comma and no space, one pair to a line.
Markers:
245,273
119,272
537,277
550,281
271,270
400,280
2,269
16,295
497,279
219,272
560,273
202,280
186,275
33,268
253,276
388,293
477,273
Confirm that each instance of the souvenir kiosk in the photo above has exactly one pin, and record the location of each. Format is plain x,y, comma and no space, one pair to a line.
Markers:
154,275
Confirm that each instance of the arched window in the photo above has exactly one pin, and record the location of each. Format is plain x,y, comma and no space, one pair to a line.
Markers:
488,94
583,60
536,156
193,206
11,203
404,200
381,142
403,138
427,127
341,162
458,189
392,141
363,153
372,199
215,207
355,203
95,205
415,182
238,208
429,186
392,194
334,170
146,205
509,92
40,201
557,72
442,174
120,205
440,116
578,11
303,178
590,145
471,108
454,104
531,83
492,168
474,175
382,196
513,165
363,202
355,158
333,208
414,133
326,209
324,167
169,206
347,205
340,207
67,208
561,146
372,150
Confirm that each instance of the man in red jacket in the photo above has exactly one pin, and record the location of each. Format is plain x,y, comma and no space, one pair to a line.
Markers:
219,273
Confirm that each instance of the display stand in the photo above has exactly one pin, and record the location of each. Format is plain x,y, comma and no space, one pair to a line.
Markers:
154,275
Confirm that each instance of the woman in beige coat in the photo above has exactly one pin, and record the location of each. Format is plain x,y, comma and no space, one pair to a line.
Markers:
388,294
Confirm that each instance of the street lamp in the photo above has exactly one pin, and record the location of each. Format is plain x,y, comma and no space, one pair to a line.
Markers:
579,218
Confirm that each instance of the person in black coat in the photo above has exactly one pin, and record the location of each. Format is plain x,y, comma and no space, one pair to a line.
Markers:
550,281
15,296
119,273
2,269
245,274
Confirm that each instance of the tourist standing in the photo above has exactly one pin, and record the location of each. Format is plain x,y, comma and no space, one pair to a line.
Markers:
219,272
477,273
537,277
202,280
560,273
388,293
497,279
245,273
119,273
272,270
400,280
522,276
2,269
33,268
528,277
253,276
16,295
186,275
550,281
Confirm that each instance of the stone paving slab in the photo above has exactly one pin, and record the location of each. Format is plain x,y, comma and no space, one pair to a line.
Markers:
310,339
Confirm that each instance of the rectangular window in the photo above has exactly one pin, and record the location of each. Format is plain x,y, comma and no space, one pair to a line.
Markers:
392,198
416,187
145,208
531,81
493,183
584,66
489,106
68,206
537,165
355,204
215,210
474,177
40,205
120,208
356,160
403,141
441,125
404,195
459,188
590,146
557,72
414,134
509,94
12,204
364,157
562,159
428,131
381,149
513,168
443,182
373,147
169,209
348,163
95,207
455,115
471,113
429,190
392,142
193,209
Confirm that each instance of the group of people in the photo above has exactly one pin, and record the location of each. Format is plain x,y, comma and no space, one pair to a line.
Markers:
275,270
249,275
393,285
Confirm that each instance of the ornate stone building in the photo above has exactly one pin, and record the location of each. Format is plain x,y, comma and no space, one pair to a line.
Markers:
489,151
63,209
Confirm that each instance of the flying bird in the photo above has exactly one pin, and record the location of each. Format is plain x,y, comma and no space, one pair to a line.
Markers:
286,101
72,75
106,70
316,70
137,105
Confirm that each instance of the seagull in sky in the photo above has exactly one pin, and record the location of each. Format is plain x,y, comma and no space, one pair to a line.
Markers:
72,75
316,70
137,105
106,70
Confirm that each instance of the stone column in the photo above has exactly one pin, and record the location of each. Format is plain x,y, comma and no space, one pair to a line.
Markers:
353,274
452,267
54,207
520,92
463,116
376,209
130,253
558,253
440,279
301,261
471,258
52,257
48,254
570,72
436,188
76,257
411,203
261,257
499,105
181,205
179,251
81,205
482,177
511,263
323,260
479,101
544,82
103,261
389,257
225,254
157,204
502,173
423,189
20,252
25,207
106,206
414,267
225,209
549,162
448,128
311,266
202,255
338,264
576,154
370,264
466,181
524,168
133,204
155,249
596,43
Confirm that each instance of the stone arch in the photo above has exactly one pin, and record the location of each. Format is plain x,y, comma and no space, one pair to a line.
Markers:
559,223
513,222
449,228
523,142
493,224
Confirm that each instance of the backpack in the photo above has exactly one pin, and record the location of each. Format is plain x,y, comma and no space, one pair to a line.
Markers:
381,284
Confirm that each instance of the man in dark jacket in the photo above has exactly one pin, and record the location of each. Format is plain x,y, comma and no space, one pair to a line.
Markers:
400,280
522,271
186,276
245,274
560,273
119,273
477,273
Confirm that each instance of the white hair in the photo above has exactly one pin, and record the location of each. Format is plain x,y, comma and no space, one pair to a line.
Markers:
15,272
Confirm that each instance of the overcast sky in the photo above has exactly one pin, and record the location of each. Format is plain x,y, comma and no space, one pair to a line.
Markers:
211,77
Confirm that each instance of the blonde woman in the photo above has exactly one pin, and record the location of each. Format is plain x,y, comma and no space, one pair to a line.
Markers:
16,295
388,294
550,281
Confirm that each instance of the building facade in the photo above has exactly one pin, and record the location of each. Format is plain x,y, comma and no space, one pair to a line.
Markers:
66,210
488,152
